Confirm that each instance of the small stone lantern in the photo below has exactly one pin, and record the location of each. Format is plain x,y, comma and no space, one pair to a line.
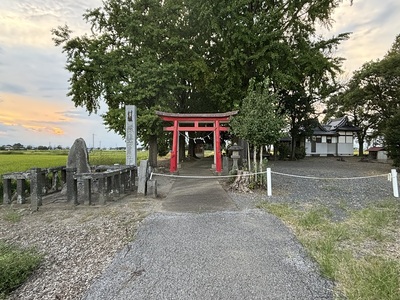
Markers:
235,155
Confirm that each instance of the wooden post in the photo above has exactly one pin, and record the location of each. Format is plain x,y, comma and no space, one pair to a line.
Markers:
269,185
218,167
174,154
394,183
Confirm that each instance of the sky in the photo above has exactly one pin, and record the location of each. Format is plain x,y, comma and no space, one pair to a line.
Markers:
34,108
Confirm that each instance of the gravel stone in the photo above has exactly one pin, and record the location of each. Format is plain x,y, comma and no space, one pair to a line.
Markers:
336,194
79,243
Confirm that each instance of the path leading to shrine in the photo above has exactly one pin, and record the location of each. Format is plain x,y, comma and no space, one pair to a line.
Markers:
199,245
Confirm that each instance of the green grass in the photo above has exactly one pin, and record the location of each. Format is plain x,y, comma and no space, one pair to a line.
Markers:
358,253
19,161
16,265
11,215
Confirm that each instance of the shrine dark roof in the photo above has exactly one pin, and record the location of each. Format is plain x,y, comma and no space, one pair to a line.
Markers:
335,125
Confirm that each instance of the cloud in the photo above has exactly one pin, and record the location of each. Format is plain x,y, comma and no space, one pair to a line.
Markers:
17,110
12,88
30,22
74,114
373,26
34,72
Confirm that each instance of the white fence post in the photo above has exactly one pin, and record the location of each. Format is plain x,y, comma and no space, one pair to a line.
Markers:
394,183
269,185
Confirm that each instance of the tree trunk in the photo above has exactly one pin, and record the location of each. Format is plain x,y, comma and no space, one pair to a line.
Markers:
255,162
241,182
261,163
293,146
153,151
192,145
294,135
248,156
361,138
182,143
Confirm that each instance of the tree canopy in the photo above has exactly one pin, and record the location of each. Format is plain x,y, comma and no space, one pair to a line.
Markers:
259,121
198,56
372,96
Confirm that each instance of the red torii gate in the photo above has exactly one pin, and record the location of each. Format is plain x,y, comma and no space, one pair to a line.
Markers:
196,122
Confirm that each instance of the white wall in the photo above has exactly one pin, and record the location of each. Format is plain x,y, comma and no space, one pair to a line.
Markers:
345,149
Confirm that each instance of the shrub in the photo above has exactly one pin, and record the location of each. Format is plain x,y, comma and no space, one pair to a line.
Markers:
300,152
16,265
283,151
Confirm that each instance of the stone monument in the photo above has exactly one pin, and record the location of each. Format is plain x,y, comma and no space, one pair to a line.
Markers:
77,162
130,135
78,157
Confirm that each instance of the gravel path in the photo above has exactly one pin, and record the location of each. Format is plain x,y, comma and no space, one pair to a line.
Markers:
338,195
222,255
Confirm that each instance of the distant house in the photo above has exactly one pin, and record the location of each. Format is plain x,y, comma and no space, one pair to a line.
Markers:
336,138
378,153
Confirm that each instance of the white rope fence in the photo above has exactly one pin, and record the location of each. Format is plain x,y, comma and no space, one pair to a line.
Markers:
330,178
391,177
202,177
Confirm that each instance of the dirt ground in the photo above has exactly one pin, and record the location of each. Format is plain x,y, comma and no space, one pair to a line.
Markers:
78,242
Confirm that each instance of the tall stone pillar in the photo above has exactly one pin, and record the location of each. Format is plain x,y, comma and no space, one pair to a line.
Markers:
131,135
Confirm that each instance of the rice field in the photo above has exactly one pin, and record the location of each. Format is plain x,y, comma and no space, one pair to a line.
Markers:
20,161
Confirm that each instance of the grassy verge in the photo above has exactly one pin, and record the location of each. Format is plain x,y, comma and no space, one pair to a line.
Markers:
360,254
15,266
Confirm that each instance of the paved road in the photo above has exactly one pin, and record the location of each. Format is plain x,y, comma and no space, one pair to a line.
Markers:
210,251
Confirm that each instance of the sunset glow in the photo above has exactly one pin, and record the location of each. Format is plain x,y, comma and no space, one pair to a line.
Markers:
35,115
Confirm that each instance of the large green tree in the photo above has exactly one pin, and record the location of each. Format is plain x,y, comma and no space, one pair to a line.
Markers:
372,96
392,138
276,40
198,56
141,53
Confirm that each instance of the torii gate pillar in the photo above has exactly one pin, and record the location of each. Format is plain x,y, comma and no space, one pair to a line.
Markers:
196,122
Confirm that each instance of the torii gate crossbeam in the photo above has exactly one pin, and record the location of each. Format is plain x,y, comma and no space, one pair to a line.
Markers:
215,122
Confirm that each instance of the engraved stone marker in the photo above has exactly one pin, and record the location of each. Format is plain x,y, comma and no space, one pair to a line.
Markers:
131,135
